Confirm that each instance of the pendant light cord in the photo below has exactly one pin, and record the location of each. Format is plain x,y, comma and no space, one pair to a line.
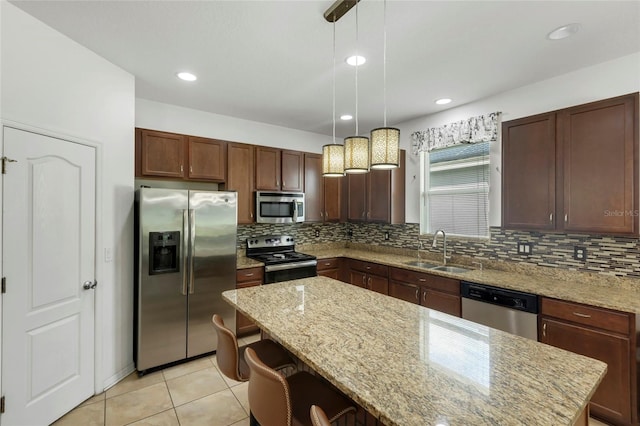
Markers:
384,62
357,65
333,117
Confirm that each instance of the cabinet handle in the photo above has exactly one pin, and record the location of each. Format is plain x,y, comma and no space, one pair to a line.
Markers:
578,314
417,291
327,264
369,283
251,215
181,169
190,169
249,274
283,184
368,267
321,214
326,214
566,218
550,217
363,281
368,215
544,330
424,296
422,280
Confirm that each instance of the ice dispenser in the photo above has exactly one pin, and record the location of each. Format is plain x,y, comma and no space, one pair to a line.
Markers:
164,252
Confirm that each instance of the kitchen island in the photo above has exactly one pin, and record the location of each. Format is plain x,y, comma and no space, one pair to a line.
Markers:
409,365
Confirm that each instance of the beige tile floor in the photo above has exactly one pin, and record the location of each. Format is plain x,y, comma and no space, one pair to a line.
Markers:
190,394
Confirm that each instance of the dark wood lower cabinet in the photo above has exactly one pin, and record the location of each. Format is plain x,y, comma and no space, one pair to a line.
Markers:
250,277
443,302
404,291
615,400
330,267
371,276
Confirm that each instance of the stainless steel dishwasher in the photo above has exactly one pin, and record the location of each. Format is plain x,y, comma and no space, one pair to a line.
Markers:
506,310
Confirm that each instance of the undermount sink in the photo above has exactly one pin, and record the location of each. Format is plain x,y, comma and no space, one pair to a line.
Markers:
454,269
421,264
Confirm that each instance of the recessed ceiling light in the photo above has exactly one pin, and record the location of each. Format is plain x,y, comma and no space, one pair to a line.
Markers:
356,60
186,76
346,117
443,101
564,31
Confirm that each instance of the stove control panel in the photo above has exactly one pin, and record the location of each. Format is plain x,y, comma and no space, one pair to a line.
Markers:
270,241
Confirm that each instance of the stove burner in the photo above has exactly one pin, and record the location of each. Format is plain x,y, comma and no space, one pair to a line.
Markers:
279,256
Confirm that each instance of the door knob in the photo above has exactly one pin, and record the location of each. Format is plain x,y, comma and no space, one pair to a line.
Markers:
89,285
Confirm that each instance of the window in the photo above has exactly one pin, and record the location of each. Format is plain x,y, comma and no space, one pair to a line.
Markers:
455,190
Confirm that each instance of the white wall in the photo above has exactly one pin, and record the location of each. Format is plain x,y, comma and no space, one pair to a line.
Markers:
52,83
613,78
172,118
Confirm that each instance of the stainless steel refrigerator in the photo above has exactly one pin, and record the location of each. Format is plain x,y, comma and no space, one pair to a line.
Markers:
186,257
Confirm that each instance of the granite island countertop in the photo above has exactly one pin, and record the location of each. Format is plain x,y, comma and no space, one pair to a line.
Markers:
409,365
618,293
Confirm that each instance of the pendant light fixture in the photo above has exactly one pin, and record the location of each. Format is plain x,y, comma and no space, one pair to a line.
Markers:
333,154
356,148
385,141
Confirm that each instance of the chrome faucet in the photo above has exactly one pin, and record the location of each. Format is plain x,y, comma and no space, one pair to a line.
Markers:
444,241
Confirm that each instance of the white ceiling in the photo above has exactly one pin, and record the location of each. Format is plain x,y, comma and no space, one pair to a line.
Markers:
271,61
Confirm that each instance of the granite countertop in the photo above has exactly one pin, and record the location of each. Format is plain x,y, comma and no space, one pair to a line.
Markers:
422,367
618,293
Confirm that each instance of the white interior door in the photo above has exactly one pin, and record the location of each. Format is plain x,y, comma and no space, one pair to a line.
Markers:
48,225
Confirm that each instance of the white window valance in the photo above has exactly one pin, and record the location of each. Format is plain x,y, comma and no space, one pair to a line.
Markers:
482,128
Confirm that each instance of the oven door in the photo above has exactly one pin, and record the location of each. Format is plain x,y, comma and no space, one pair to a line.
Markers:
290,271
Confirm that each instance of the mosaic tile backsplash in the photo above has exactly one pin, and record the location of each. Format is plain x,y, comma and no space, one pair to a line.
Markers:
604,254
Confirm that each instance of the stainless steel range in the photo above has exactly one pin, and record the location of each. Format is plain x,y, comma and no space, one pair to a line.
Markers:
282,262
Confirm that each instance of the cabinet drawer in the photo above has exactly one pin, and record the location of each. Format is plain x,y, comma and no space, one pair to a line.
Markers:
618,322
370,268
434,282
250,274
324,264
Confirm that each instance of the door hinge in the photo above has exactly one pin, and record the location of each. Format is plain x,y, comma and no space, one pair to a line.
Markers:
6,160
2,405
4,284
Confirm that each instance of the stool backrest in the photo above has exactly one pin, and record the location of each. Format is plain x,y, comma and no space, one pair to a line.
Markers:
227,350
269,397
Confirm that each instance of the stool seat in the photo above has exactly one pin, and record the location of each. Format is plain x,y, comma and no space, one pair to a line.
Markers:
278,401
230,357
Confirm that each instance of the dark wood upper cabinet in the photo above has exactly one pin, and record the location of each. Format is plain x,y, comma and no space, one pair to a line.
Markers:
160,154
573,170
313,188
377,196
600,166
279,170
207,159
240,179
529,172
175,156
333,194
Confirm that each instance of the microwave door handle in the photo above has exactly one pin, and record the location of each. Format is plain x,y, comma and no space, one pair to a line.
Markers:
295,211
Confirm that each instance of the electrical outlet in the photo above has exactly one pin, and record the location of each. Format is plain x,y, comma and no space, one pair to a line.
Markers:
580,253
386,235
349,233
317,233
525,248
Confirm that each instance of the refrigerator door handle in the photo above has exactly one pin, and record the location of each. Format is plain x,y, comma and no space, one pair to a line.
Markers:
192,249
185,251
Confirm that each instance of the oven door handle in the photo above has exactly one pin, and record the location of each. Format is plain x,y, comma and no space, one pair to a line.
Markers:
285,266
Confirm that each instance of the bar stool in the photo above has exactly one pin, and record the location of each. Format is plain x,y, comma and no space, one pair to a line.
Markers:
319,417
231,358
278,401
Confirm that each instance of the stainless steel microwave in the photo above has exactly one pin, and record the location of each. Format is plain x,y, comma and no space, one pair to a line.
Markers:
279,207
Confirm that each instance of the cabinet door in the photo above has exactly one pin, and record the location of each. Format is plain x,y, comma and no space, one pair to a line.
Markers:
377,284
600,174
267,168
313,188
161,154
407,292
612,399
358,278
292,171
207,159
240,179
529,172
379,196
357,197
443,302
332,196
